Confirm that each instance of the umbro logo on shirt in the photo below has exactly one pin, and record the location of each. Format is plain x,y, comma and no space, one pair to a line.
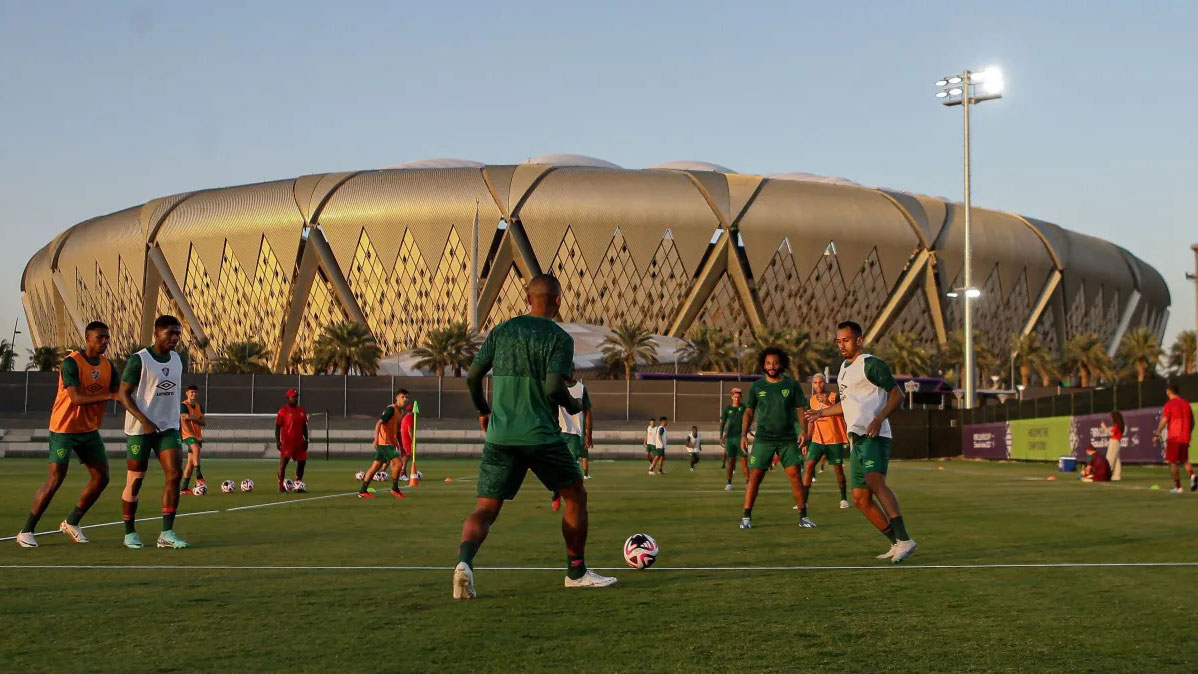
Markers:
166,385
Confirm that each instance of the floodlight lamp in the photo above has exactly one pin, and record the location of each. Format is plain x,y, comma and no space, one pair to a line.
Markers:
956,92
994,84
953,294
941,83
941,94
955,79
973,293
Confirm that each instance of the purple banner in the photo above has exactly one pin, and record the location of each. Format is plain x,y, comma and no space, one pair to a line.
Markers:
1137,445
985,441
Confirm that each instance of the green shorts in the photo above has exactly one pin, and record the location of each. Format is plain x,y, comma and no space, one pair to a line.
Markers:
574,442
385,453
648,449
869,455
762,455
193,442
504,466
89,447
139,447
835,453
659,451
732,448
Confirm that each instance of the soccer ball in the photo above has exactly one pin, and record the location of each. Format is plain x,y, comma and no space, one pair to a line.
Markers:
288,485
360,475
228,486
640,551
247,485
200,489
383,476
299,485
419,475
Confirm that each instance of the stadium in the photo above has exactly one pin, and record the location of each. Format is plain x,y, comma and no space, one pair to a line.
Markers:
669,247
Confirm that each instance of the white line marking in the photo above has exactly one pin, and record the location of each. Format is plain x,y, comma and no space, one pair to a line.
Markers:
202,512
878,567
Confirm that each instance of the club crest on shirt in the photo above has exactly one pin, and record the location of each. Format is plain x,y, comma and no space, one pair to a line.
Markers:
166,371
785,393
95,375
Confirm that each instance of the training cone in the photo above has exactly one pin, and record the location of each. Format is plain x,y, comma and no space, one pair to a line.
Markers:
1155,487
449,479
1051,478
939,467
413,481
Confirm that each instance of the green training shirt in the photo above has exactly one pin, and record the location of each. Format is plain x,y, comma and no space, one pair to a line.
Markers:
732,419
777,408
521,353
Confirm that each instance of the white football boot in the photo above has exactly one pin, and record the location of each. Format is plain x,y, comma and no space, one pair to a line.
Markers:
463,582
889,553
73,531
902,550
591,579
26,539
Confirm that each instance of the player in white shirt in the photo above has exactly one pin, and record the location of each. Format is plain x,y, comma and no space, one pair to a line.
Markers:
868,395
660,442
694,445
151,389
576,432
650,441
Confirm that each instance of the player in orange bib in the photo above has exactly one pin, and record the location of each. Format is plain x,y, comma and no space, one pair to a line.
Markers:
191,422
86,382
829,438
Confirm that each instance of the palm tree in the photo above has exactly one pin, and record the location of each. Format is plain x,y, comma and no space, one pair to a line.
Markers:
45,358
950,356
905,355
1086,355
1033,356
1140,348
8,357
807,355
347,347
437,352
465,343
632,345
297,361
243,358
986,360
1182,354
709,349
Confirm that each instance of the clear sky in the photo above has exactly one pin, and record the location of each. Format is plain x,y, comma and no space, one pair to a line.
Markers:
106,105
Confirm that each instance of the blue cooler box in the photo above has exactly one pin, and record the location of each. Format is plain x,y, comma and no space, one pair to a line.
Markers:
1067,464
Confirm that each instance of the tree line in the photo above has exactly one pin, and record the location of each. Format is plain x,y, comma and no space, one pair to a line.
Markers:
349,348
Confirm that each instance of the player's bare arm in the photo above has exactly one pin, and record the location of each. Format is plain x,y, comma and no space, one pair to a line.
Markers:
893,401
587,441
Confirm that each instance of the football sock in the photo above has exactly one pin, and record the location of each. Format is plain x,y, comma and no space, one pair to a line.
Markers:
575,567
75,516
186,483
806,492
199,474
31,523
299,469
466,552
365,486
395,484
888,532
843,495
900,529
802,512
168,519
748,512
128,514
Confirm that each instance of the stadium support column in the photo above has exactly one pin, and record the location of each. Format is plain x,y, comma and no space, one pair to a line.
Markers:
328,262
172,286
474,271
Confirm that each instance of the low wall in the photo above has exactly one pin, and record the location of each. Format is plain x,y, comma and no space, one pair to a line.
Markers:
1048,438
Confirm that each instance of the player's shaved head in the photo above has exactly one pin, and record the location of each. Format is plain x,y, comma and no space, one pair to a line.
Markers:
544,294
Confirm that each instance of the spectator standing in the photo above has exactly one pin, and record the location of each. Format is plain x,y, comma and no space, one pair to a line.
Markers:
1114,444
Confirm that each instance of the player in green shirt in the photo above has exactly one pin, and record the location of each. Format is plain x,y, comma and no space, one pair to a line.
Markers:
530,358
777,403
731,420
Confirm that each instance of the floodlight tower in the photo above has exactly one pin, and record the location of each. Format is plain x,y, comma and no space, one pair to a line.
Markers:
962,90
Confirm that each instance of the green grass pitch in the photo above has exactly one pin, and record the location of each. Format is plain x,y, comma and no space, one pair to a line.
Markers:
673,617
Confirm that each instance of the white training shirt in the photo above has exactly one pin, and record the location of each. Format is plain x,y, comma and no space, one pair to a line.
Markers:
861,400
651,436
694,443
661,440
157,394
571,423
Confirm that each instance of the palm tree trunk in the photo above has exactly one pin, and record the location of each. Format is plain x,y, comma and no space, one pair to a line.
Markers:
1083,375
1025,374
1141,370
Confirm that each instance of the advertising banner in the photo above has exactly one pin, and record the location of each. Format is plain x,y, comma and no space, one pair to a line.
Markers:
985,441
1137,444
1040,439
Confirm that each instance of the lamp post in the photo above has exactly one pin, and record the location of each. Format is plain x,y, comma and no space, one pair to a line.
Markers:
1193,277
960,90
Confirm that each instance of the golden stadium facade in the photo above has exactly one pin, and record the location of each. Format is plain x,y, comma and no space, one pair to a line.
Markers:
670,247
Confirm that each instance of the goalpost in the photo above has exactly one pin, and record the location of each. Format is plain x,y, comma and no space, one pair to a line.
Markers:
246,427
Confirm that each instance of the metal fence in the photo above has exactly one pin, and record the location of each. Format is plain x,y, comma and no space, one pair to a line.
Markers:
1149,393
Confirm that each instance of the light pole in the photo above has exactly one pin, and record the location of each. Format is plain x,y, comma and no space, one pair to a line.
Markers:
1193,277
960,90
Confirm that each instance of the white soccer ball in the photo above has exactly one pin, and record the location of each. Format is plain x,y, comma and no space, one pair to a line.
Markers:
419,475
288,485
247,485
383,475
299,485
640,551
228,486
360,475
200,489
